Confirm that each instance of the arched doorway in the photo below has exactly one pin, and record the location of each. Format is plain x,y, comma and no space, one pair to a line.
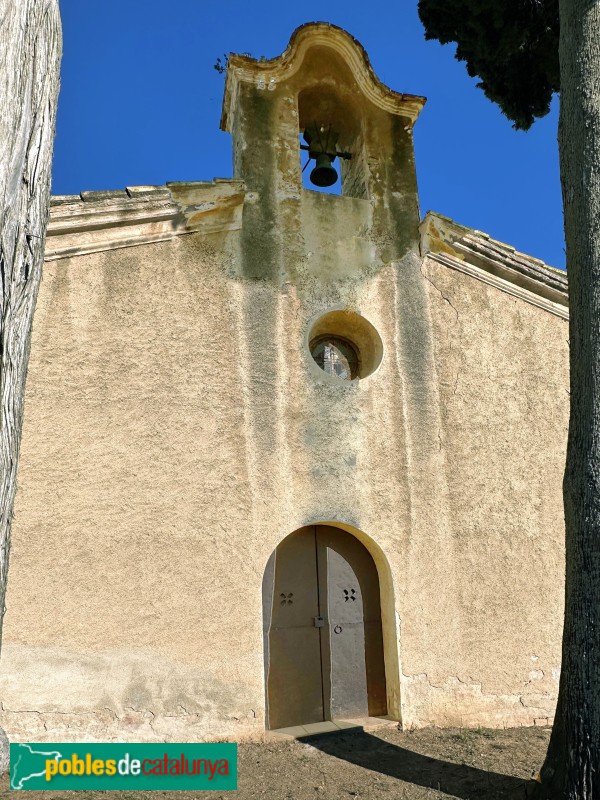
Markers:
323,636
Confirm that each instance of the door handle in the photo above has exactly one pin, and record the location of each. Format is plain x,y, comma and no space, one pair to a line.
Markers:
319,622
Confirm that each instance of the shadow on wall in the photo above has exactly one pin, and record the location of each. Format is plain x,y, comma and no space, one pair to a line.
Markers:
457,780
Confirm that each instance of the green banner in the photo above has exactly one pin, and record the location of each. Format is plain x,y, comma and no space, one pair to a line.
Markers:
68,766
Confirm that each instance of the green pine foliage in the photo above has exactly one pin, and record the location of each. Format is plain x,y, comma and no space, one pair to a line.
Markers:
511,45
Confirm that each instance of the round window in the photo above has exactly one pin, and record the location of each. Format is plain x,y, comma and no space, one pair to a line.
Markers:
344,344
335,356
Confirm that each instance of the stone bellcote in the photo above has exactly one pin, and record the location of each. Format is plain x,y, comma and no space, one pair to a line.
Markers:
323,79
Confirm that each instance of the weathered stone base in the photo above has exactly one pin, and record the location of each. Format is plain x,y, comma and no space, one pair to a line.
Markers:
458,704
55,695
103,725
4,752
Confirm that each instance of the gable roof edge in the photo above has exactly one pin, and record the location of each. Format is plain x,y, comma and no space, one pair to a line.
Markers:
495,263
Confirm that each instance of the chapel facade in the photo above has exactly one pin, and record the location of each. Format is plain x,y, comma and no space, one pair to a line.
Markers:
289,458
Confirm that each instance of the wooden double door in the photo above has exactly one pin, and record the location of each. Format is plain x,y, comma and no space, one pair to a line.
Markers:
323,637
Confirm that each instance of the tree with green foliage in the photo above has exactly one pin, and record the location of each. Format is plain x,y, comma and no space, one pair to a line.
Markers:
523,51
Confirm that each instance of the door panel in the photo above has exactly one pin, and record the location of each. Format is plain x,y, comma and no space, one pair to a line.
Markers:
294,684
333,671
345,685
375,668
295,688
354,684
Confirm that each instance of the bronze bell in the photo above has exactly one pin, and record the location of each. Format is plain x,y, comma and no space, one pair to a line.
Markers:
321,143
324,174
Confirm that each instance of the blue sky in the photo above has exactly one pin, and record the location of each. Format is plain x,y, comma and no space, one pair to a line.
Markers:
140,103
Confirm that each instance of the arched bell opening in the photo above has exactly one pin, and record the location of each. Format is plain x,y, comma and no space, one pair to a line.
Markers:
330,139
329,637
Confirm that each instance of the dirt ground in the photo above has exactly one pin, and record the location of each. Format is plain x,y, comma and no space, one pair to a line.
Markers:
421,765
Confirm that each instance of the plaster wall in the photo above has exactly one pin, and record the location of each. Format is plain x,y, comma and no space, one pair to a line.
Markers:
502,370
177,429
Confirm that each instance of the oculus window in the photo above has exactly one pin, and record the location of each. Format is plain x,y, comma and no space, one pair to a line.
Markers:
336,356
344,345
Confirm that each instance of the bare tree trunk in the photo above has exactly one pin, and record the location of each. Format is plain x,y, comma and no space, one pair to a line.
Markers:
572,767
30,50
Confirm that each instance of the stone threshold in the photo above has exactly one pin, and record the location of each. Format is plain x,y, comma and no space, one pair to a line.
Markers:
333,726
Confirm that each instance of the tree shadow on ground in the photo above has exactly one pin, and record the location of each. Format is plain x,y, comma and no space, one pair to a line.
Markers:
458,780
